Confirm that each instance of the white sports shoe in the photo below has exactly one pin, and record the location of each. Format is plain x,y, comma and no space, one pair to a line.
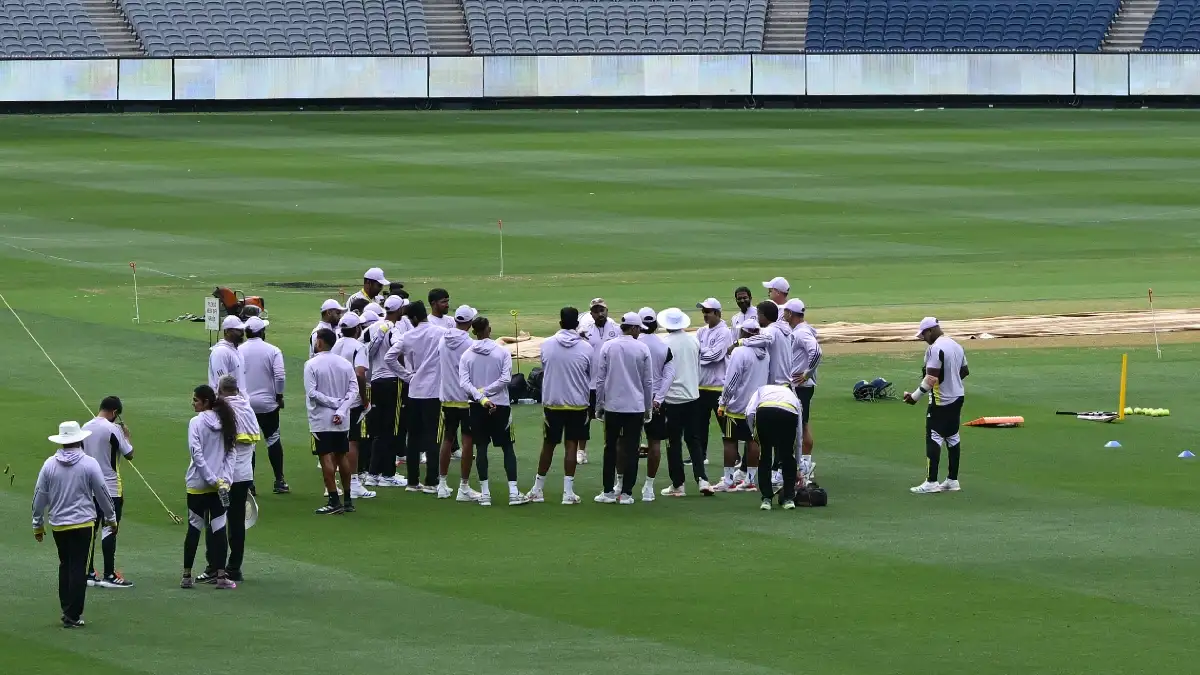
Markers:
581,457
391,481
738,476
570,498
467,495
371,480
429,489
444,492
456,455
360,492
606,498
485,499
950,485
625,500
671,491
535,495
648,493
927,488
765,506
706,488
517,499
723,486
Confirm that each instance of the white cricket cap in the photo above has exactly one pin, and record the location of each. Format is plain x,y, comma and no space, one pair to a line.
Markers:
231,322
926,323
673,318
350,320
256,325
369,317
711,303
376,274
465,314
778,284
749,327
795,306
394,303
332,304
598,302
648,315
374,307
632,319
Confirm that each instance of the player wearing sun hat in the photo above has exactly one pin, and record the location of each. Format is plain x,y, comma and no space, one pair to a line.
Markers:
71,487
223,358
682,403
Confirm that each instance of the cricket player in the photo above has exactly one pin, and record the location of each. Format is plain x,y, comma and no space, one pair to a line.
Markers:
331,313
456,407
439,308
749,369
71,487
211,435
107,443
625,401
351,348
485,372
777,291
384,421
806,358
682,404
714,338
224,358
266,378
331,389
945,370
746,311
773,414
241,471
662,374
372,288
566,393
415,356
598,331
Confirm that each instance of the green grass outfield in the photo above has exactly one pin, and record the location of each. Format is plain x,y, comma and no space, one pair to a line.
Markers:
1059,556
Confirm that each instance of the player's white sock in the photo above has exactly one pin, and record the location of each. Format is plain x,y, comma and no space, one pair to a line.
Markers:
729,474
539,481
484,488
569,484
752,475
512,488
464,483
442,481
650,483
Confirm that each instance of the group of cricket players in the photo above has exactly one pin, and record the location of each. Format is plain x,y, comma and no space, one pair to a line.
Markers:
393,383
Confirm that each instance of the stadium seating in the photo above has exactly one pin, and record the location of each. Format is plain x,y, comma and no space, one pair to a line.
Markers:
1175,27
278,27
40,28
612,26
941,25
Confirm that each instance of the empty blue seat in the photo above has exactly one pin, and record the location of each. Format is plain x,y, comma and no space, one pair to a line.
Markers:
1175,26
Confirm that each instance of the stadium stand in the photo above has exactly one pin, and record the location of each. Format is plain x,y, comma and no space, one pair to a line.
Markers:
278,27
1175,27
43,28
613,26
942,25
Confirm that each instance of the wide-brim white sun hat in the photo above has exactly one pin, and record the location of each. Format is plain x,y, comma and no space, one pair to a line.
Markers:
251,510
673,318
68,433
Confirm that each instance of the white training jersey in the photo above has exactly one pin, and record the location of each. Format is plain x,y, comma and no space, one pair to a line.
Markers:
948,355
355,352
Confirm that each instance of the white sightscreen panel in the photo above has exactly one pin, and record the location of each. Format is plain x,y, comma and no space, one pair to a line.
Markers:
618,75
58,80
940,74
1164,74
564,76
455,76
778,75
510,76
1102,74
697,75
295,78
145,80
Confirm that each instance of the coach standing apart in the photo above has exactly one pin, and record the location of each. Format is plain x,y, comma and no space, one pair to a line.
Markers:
224,358
71,487
566,388
714,338
108,444
266,379
945,370
625,400
331,388
682,404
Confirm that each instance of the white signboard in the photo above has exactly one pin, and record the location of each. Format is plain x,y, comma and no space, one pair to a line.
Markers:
212,314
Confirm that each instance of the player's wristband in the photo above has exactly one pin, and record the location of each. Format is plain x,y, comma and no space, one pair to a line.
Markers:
919,392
